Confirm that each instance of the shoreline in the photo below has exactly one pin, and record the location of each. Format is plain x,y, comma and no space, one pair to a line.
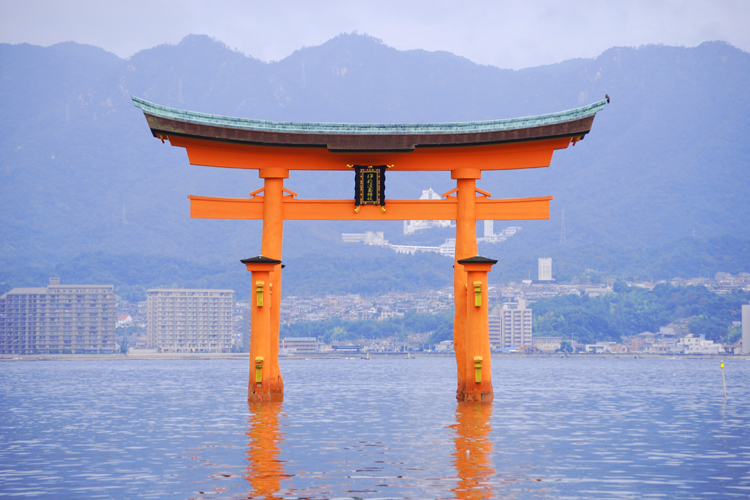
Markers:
245,356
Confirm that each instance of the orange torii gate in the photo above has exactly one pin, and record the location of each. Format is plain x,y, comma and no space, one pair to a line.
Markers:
463,149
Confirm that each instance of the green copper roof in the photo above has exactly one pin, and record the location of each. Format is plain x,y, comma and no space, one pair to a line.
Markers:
367,128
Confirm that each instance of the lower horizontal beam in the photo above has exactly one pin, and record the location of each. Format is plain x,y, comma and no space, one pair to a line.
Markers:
513,209
202,207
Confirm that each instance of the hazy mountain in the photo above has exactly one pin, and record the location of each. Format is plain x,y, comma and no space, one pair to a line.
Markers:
665,163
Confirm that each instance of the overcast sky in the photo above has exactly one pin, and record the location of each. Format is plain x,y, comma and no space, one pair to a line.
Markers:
508,34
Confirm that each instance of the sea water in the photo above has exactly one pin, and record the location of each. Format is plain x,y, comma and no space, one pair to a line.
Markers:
573,427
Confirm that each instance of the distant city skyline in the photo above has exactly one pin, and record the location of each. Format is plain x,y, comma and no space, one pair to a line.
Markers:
507,34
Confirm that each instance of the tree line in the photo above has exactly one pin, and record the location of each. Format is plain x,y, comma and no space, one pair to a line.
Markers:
631,310
336,330
625,312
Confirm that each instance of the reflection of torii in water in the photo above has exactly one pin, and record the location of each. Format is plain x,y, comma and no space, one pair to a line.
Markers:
471,456
473,447
465,150
264,467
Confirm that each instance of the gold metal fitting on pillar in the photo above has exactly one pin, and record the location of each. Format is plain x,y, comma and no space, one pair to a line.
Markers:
477,294
259,370
259,293
478,369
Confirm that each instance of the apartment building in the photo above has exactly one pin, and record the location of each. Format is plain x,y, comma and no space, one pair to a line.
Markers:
58,319
185,320
514,325
496,331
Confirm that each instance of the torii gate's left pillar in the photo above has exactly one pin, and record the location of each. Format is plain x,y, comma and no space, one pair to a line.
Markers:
270,247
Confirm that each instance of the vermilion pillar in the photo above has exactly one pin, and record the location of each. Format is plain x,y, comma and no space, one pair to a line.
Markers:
478,363
271,247
466,246
265,382
472,457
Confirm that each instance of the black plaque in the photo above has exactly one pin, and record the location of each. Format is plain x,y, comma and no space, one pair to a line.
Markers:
369,185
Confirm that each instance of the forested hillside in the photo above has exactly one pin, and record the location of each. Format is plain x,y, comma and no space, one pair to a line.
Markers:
630,311
586,320
657,189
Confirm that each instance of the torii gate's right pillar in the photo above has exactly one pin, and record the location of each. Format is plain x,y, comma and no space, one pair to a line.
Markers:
466,247
478,375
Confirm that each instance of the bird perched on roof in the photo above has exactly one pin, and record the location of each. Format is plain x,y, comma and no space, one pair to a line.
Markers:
607,96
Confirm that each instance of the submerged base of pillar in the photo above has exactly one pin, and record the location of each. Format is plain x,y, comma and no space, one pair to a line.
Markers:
266,391
265,396
478,397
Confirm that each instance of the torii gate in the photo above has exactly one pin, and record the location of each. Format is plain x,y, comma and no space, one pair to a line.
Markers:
463,149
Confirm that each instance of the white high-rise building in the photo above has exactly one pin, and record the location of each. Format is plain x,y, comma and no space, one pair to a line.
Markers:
514,326
545,269
489,229
182,320
496,329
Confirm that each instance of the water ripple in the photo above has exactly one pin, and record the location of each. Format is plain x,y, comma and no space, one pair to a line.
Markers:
561,428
